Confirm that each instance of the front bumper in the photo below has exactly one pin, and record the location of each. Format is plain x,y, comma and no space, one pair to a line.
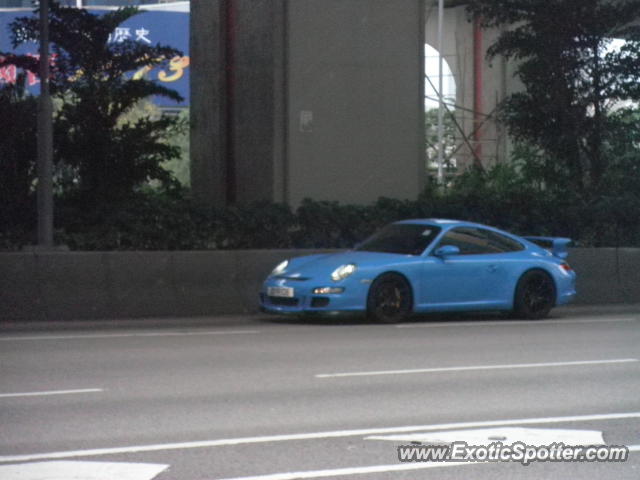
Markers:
351,300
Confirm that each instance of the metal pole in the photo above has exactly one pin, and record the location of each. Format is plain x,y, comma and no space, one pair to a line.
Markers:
440,94
477,86
45,137
78,3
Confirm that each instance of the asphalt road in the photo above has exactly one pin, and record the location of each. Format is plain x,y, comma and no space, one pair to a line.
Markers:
265,397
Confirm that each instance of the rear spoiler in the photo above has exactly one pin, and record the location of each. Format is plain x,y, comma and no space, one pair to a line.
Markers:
556,245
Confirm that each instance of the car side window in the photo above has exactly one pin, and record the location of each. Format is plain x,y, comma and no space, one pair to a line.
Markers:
470,241
477,241
503,244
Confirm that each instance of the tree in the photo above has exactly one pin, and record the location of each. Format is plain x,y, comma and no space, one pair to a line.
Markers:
105,159
17,155
431,127
179,137
573,80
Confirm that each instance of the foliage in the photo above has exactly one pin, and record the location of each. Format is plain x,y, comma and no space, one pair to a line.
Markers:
573,80
103,157
500,196
146,220
576,168
449,140
17,158
178,136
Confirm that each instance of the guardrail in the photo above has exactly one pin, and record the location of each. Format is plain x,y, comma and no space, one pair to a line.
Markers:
94,285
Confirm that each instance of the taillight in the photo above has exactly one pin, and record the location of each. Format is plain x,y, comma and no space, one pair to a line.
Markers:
566,267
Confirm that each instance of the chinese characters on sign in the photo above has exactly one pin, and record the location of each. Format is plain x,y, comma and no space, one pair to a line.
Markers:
177,65
121,34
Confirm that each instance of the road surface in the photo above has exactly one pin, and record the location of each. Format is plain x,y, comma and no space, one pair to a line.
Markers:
273,399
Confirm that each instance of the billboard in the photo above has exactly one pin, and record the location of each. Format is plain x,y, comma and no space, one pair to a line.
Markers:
149,27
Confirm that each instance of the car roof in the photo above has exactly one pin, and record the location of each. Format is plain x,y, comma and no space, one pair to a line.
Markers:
447,223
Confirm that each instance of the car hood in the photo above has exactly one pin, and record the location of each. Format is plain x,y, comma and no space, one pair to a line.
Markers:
324,264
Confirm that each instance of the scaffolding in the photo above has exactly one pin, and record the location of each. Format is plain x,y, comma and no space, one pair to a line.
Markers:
478,139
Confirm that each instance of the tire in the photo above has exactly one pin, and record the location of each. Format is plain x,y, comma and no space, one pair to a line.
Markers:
535,295
390,299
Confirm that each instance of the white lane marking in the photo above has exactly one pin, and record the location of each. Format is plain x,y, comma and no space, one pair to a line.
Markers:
119,335
634,448
310,436
51,392
81,471
523,323
340,472
476,367
506,435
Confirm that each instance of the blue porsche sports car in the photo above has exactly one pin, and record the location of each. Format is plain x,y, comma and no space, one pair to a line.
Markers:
428,265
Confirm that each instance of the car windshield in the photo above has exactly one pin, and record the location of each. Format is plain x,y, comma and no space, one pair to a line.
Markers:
402,238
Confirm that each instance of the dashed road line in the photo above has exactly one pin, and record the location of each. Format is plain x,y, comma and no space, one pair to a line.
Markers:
476,368
51,392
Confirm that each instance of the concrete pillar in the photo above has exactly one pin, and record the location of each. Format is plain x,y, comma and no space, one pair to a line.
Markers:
253,112
356,107
307,98
208,102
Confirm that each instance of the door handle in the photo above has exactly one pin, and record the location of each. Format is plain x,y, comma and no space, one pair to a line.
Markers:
492,268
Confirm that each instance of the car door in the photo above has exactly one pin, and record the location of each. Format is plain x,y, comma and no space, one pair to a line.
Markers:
473,279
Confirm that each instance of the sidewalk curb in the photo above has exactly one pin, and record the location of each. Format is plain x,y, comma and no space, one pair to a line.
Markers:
135,323
249,320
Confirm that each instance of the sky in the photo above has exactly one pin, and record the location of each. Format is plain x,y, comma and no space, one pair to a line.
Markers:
431,72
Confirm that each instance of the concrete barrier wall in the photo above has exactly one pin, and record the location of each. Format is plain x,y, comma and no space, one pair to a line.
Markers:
79,285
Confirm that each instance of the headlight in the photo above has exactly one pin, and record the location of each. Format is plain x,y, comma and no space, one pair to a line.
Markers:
343,271
282,266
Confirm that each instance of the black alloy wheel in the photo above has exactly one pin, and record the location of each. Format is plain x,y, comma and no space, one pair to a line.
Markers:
535,295
390,299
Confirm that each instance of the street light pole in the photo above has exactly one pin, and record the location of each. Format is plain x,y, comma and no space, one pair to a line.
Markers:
45,137
440,94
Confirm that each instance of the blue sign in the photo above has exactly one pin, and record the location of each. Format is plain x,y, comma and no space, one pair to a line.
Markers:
149,27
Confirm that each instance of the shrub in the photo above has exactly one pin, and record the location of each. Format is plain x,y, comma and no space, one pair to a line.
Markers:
153,219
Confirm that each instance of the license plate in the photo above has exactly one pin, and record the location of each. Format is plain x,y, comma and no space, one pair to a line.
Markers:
286,292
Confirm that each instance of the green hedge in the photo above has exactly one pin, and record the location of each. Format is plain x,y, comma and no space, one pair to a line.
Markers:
160,223
152,220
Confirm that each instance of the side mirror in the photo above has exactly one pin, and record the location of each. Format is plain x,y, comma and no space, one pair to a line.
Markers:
447,251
